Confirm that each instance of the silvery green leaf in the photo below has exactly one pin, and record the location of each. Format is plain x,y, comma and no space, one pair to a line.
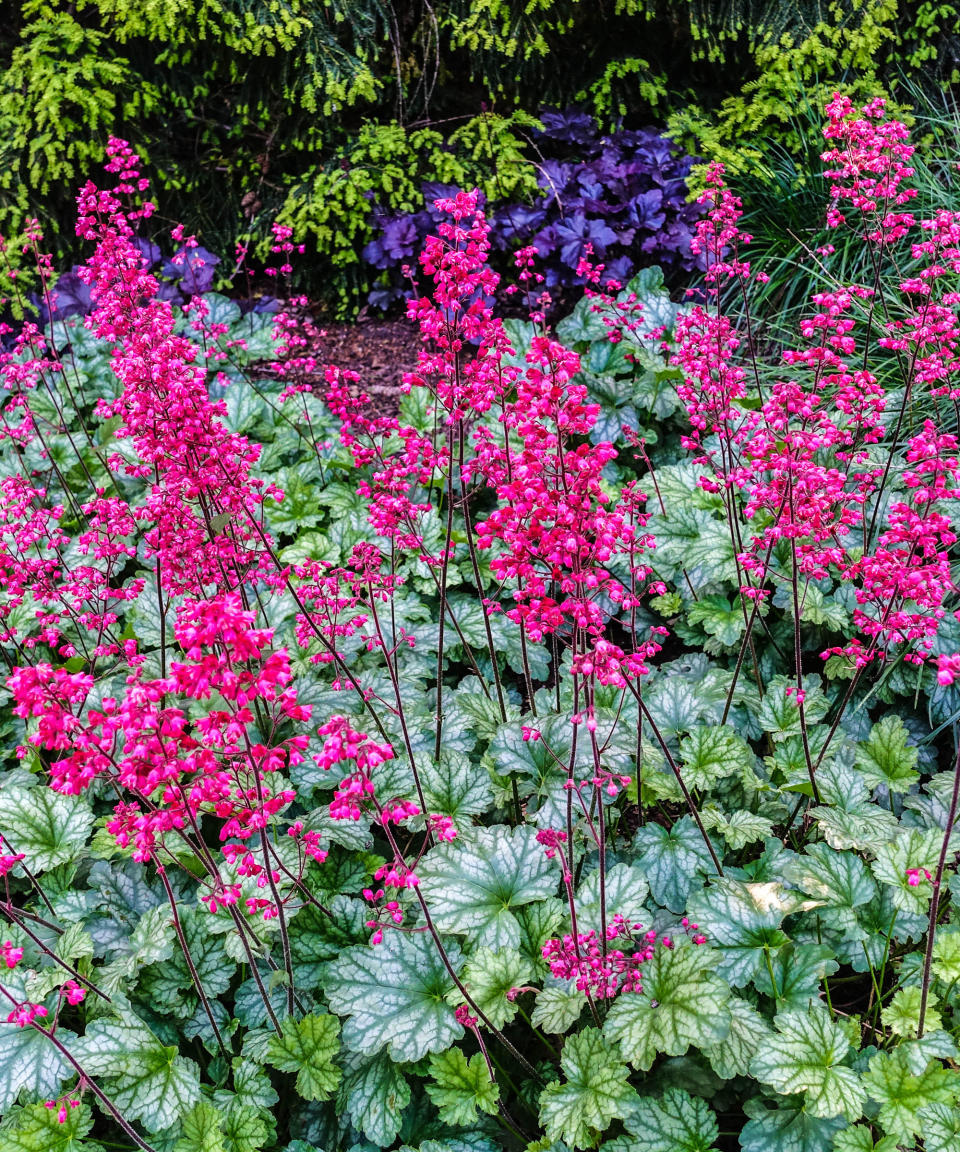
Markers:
47,827
673,1122
595,1090
786,1127
673,705
806,1055
742,920
30,1064
373,1094
798,970
483,710
682,1004
626,889
731,1056
394,995
941,1127
457,786
558,1007
673,860
839,881
146,1081
472,884
248,1006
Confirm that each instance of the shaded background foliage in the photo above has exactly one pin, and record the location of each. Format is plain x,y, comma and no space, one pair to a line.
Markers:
305,109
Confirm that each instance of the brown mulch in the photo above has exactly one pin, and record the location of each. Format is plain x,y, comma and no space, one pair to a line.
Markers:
379,350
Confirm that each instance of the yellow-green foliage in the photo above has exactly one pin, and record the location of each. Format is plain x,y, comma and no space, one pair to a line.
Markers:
505,27
622,82
63,88
796,72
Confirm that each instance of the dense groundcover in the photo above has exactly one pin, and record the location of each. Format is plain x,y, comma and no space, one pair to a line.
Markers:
561,758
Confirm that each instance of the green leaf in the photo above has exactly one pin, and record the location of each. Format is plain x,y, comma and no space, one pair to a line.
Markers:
946,954
903,1095
786,1128
940,1127
147,1081
839,881
743,920
913,848
859,1139
47,827
902,1014
820,609
682,1004
489,976
37,1129
307,1047
472,883
246,1128
202,1131
460,1087
779,713
738,828
557,1009
731,1056
805,1055
710,754
456,787
29,1063
719,619
671,859
887,758
862,826
394,995
594,1093
298,509
374,1094
673,1122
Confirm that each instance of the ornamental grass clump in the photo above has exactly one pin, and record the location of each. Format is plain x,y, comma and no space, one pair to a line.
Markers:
564,756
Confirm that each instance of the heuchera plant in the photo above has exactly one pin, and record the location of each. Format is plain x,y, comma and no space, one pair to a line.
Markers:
620,196
562,760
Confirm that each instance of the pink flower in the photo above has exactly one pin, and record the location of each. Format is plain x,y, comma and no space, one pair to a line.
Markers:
11,956
442,827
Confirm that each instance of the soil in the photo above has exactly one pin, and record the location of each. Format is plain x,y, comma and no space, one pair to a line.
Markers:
379,350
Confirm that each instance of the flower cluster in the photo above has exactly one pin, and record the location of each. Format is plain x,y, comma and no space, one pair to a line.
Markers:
175,768
599,971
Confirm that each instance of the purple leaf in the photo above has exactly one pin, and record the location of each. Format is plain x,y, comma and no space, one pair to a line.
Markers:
194,268
71,297
571,126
